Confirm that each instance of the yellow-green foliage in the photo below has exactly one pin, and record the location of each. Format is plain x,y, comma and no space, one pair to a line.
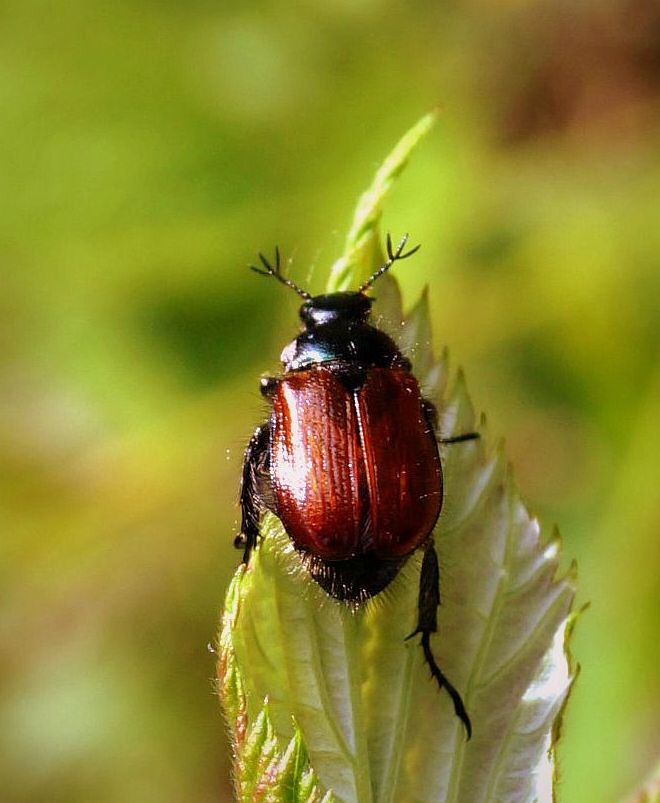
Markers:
149,149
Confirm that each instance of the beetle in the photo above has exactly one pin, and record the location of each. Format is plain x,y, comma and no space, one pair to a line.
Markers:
348,459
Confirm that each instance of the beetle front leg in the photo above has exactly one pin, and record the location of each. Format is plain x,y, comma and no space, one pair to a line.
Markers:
254,465
427,623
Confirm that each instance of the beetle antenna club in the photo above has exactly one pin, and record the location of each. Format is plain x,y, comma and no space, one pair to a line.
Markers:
276,273
392,257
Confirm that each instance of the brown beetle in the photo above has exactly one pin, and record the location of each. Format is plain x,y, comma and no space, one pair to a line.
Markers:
348,459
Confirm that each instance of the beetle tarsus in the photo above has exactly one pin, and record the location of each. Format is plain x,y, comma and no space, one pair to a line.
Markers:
427,623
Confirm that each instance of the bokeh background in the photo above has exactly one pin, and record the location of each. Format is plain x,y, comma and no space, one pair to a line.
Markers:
148,150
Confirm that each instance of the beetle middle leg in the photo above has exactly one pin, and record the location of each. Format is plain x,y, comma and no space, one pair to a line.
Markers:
427,623
255,465
466,436
431,415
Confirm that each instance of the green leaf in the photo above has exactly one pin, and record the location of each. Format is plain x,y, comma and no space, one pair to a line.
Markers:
362,252
267,767
649,792
322,697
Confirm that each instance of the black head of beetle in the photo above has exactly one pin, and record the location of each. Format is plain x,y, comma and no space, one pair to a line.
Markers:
337,329
343,307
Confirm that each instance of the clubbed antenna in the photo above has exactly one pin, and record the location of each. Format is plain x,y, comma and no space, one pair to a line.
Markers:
269,270
392,257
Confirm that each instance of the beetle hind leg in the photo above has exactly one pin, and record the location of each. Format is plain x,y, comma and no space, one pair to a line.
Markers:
427,623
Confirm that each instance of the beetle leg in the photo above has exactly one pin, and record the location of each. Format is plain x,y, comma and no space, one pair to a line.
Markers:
466,436
254,464
431,415
427,623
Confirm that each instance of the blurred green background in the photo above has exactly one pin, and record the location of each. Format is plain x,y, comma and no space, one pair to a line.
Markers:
148,150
